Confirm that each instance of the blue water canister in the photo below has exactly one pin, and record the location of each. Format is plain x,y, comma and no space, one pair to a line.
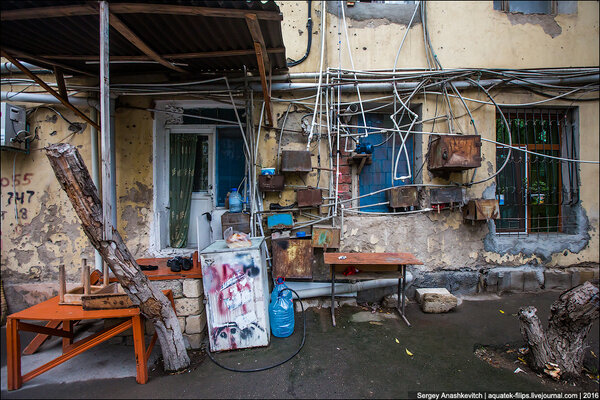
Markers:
281,310
235,201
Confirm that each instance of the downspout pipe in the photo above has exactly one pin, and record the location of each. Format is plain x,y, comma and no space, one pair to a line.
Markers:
48,99
342,288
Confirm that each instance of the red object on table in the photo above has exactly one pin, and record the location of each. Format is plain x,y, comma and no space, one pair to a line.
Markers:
50,310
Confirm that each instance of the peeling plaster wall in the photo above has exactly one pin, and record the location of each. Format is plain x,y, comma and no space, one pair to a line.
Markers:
464,34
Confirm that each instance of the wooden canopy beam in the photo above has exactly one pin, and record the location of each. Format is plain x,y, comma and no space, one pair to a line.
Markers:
134,39
178,56
39,59
43,84
262,59
60,81
135,8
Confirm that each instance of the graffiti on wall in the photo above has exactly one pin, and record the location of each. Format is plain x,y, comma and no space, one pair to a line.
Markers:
18,199
236,303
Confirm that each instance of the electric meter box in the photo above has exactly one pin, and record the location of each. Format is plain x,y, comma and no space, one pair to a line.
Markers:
13,121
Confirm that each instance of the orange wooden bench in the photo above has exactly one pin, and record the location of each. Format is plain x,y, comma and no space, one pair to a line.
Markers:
50,310
381,265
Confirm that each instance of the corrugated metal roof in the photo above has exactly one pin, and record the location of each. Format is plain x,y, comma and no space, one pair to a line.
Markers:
167,34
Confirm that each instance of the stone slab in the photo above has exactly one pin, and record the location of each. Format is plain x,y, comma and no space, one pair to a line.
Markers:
195,323
188,306
437,303
557,280
173,284
419,293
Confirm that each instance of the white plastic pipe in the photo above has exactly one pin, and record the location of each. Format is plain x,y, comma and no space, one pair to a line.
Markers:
47,99
341,288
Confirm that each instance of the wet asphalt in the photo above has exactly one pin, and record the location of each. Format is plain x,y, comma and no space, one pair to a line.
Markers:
363,357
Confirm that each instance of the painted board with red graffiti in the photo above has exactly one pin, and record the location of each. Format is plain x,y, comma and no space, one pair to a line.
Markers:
237,294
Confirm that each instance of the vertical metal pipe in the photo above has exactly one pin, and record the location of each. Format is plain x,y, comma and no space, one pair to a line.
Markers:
113,165
107,177
95,171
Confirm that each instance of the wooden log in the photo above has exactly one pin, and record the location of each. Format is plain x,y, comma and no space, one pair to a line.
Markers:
563,344
74,178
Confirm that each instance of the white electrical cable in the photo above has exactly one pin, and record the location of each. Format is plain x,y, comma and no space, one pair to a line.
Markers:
318,98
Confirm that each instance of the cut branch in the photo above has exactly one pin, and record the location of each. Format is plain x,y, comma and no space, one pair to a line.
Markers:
570,321
74,178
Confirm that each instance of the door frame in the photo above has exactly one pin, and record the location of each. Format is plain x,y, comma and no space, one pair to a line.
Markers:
159,230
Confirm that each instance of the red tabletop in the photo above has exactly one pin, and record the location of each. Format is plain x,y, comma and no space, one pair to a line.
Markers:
372,258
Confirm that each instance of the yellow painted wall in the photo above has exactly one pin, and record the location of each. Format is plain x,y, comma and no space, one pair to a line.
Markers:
464,34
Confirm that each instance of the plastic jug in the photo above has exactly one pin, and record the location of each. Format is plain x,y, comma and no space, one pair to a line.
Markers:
281,310
235,201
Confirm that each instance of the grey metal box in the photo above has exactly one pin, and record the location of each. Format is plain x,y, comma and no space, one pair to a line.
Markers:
13,121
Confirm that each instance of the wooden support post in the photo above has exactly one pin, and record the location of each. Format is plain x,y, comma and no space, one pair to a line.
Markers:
43,84
107,178
42,60
85,282
62,284
262,59
74,178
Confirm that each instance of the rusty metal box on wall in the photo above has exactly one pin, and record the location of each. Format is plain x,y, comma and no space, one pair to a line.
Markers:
236,288
445,195
326,236
238,221
295,161
292,257
481,210
309,197
270,183
454,153
401,196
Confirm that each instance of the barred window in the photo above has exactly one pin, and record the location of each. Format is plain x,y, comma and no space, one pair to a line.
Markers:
537,193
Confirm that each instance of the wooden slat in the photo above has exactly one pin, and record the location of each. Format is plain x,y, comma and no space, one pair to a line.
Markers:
262,59
255,31
60,81
134,39
178,56
49,89
39,339
372,258
39,59
263,82
108,179
23,326
136,8
49,12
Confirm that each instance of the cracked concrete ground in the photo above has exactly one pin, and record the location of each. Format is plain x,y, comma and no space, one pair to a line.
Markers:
357,359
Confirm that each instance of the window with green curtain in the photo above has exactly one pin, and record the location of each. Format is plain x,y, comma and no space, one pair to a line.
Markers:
182,163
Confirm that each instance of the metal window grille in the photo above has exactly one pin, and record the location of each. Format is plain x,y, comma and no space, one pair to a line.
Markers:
537,194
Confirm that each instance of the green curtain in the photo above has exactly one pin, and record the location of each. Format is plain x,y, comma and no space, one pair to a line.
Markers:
181,179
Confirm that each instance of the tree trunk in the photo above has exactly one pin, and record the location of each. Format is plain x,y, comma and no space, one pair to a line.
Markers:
571,318
71,172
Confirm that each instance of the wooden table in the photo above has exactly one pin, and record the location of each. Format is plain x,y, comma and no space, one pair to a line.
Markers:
379,264
56,314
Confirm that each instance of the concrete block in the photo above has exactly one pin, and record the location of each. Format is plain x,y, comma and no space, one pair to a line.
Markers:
390,301
308,303
173,284
192,288
557,280
530,282
580,276
188,306
422,291
437,303
194,341
181,323
512,281
195,323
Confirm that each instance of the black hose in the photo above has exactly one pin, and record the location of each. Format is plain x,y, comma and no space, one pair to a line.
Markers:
269,366
309,25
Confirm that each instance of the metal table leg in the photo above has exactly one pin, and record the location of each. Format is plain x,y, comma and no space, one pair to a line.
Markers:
332,266
401,294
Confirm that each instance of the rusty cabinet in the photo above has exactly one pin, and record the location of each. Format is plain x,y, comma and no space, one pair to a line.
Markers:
309,197
270,183
326,236
454,153
481,210
401,196
238,221
295,161
292,257
446,195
